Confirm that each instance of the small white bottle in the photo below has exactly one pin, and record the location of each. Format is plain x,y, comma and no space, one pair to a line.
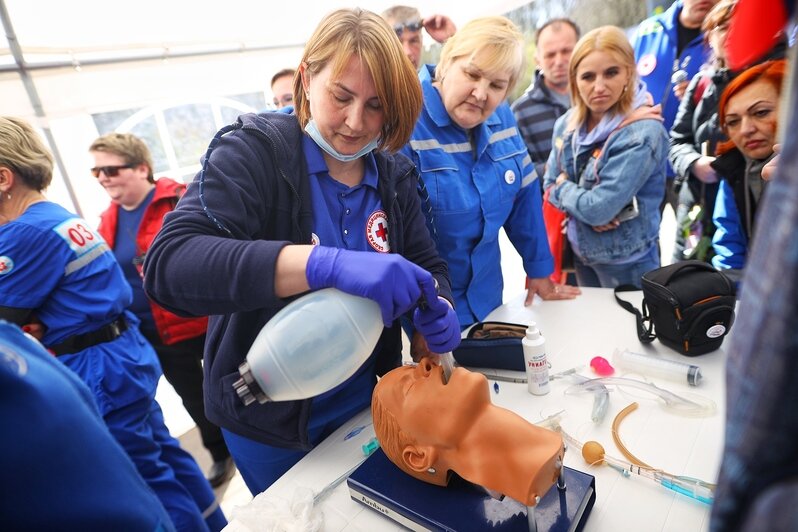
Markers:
537,367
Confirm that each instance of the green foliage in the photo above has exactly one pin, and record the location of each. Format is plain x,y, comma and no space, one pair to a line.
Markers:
530,66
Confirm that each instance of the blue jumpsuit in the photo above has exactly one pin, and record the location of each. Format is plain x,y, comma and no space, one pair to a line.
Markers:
54,264
476,187
61,467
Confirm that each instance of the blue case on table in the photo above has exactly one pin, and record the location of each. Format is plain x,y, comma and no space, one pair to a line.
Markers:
492,344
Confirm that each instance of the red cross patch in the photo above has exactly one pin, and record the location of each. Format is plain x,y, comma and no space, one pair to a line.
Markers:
647,64
6,264
377,231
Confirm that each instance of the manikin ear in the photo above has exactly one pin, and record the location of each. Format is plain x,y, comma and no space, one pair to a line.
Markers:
419,458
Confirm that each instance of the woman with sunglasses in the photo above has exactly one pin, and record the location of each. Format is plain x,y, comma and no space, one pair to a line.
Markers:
139,202
59,279
288,202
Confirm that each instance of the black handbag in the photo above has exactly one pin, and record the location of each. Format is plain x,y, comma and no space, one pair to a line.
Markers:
492,344
688,305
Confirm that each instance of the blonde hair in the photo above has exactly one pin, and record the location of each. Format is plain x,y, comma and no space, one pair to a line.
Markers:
127,146
612,40
492,44
23,152
348,33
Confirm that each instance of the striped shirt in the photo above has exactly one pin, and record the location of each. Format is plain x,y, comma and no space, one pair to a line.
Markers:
536,111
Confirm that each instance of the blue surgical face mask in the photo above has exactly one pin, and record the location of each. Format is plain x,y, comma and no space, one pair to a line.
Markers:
313,131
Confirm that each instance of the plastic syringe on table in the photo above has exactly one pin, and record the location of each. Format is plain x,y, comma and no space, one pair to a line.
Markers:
656,366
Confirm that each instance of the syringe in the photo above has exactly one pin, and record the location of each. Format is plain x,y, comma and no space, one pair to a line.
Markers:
593,453
655,366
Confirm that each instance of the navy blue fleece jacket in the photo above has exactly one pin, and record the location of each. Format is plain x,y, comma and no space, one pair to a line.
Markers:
217,251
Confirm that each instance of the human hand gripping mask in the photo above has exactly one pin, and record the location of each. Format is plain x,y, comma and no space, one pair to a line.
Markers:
430,429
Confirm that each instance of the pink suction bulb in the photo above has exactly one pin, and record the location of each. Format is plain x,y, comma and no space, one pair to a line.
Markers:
601,366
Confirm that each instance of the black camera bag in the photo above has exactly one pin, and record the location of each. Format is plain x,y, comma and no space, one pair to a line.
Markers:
689,306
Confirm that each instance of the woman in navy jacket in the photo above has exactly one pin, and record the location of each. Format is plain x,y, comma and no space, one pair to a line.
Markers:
240,245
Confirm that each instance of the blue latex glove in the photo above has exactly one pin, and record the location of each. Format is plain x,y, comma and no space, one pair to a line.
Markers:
389,279
436,321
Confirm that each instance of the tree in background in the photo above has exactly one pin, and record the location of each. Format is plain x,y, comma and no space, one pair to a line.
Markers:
588,14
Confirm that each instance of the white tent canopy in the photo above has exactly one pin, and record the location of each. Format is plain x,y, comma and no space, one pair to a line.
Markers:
63,63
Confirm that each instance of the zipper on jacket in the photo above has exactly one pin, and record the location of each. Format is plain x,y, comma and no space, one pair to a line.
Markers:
263,135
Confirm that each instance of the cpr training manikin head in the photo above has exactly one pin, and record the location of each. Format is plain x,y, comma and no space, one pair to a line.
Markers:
430,429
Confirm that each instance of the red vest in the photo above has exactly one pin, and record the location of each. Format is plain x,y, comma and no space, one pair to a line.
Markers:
171,328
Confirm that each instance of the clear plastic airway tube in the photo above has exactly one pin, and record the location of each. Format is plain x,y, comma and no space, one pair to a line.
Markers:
654,366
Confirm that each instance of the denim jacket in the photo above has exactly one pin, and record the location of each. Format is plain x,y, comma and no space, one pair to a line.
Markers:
604,178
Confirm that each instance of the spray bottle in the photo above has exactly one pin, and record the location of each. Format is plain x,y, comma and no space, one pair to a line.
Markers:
309,347
537,367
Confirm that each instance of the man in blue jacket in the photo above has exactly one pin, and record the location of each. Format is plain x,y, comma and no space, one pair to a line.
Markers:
670,49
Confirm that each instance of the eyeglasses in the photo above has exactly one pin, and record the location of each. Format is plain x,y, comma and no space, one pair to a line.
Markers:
410,26
110,171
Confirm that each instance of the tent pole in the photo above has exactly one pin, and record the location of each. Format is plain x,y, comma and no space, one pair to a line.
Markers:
36,103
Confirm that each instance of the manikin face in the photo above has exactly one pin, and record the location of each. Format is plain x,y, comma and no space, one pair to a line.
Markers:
129,186
555,45
694,11
431,412
600,81
283,91
347,110
471,94
751,119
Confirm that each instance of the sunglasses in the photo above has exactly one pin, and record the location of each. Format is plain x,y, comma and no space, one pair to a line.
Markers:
409,26
110,171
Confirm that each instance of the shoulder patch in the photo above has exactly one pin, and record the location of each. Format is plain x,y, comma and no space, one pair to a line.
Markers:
78,235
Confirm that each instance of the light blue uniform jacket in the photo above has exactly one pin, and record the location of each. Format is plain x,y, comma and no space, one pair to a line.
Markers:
477,185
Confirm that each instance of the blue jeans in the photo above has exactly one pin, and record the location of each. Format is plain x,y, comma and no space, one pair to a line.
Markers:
612,275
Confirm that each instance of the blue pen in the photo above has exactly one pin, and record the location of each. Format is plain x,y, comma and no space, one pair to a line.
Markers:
496,387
